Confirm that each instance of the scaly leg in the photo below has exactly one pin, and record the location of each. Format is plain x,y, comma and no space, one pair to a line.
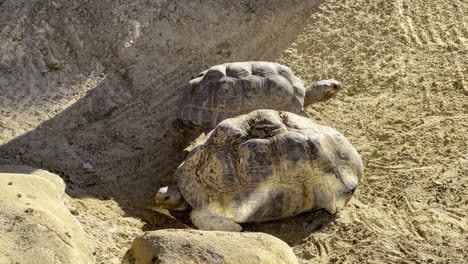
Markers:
205,220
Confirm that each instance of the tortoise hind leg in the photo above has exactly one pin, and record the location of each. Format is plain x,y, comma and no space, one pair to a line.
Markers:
205,220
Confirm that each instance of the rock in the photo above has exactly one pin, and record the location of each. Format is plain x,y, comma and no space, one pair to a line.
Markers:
194,246
36,227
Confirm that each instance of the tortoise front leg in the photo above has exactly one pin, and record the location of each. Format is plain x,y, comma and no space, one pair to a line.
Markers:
206,220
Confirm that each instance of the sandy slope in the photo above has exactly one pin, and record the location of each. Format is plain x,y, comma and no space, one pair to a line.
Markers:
404,64
95,84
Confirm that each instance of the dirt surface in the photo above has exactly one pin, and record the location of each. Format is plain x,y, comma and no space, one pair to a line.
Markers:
89,91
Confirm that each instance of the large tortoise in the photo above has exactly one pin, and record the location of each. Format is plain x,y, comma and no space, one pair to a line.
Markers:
263,166
231,89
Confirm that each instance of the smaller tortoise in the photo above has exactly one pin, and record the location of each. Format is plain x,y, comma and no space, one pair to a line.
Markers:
263,166
231,89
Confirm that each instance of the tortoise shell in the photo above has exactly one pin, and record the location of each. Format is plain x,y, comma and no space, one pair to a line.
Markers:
268,165
231,89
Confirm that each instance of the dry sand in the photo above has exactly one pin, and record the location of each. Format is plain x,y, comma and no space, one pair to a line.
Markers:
89,90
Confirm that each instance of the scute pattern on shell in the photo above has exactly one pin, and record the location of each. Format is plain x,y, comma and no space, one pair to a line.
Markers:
231,89
268,165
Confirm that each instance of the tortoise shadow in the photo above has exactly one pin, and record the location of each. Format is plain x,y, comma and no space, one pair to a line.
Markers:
294,229
291,230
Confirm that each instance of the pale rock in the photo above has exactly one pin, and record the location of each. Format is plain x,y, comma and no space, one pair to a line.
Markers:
35,225
177,246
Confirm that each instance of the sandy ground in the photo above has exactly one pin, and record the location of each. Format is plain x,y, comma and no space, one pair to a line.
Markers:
89,90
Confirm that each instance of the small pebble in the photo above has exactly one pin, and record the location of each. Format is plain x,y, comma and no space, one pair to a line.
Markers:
360,124
74,212
87,166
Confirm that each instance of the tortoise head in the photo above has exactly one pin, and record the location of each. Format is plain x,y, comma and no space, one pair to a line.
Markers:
321,91
169,197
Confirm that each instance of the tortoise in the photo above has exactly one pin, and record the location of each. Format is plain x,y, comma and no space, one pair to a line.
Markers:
263,166
231,89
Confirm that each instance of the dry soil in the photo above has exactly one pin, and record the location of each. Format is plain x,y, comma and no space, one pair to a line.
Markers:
88,90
